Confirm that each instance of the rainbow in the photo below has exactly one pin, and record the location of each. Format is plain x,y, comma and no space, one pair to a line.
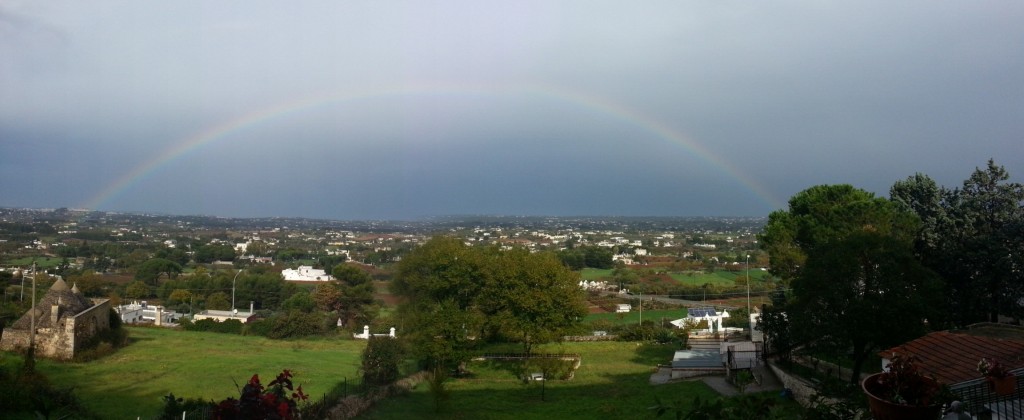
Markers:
592,103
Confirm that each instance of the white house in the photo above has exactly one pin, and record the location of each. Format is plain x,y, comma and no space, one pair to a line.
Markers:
696,315
142,312
305,273
221,316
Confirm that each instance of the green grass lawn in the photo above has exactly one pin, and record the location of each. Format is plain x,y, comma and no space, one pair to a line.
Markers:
131,382
612,382
720,277
591,274
42,262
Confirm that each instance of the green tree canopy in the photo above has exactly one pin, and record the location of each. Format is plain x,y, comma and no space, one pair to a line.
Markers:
219,301
973,237
215,252
856,285
137,290
151,270
453,293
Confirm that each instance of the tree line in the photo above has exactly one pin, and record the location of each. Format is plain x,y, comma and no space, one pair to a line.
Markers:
866,273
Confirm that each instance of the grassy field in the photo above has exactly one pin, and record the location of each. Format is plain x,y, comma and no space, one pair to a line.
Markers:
612,382
591,274
692,278
42,262
724,278
130,382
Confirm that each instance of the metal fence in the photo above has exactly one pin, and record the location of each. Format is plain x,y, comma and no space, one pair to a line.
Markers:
979,399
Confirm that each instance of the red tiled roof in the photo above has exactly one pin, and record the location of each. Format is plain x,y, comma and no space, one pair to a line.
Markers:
953,358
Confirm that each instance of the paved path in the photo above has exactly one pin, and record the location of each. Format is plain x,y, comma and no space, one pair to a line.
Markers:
719,383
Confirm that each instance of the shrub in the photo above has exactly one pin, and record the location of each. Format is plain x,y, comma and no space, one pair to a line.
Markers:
259,327
231,326
278,400
381,359
173,407
295,324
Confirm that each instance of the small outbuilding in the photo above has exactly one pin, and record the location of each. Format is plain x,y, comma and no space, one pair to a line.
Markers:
65,322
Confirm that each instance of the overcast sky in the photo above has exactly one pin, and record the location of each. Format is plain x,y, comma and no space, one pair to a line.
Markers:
400,110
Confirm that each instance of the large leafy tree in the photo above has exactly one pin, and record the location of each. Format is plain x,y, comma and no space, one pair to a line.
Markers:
214,252
848,256
350,294
972,236
456,296
530,298
439,283
151,270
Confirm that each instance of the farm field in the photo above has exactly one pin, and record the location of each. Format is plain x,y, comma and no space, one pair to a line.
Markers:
613,381
131,382
591,274
691,278
724,278
42,262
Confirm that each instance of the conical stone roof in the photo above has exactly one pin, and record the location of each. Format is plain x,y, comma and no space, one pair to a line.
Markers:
70,303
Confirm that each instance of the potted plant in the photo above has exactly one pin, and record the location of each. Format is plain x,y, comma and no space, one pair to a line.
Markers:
902,391
998,376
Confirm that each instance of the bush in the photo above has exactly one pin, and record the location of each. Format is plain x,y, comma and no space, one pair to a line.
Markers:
295,324
278,400
231,326
381,359
29,394
645,332
261,327
173,407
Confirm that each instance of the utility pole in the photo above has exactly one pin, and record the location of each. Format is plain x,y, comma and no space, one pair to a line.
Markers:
641,308
32,334
233,289
748,285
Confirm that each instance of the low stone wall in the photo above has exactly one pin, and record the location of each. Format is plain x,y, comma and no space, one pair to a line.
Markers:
802,389
85,325
14,340
355,405
581,338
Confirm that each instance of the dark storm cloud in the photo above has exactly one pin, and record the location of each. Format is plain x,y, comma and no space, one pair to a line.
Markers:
660,108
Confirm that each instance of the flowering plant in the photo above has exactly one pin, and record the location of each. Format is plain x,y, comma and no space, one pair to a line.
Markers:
993,369
903,383
278,400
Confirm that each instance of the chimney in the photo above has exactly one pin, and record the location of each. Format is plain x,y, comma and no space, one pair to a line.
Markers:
251,306
54,314
159,316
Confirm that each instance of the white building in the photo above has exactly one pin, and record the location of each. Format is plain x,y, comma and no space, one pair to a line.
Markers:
136,312
221,316
305,273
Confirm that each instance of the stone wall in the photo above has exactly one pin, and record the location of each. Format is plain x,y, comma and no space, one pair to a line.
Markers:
14,340
84,326
64,339
802,389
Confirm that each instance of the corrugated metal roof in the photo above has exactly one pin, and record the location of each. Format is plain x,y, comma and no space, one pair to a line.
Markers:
953,358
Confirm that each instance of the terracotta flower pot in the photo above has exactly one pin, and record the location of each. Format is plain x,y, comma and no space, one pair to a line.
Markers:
1003,386
882,409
